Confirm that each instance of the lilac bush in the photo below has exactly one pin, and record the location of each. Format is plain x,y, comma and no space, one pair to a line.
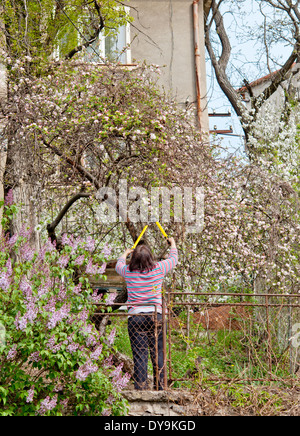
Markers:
52,361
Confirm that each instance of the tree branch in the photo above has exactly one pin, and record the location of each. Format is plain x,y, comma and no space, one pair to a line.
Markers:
220,65
72,163
92,38
226,46
277,79
51,227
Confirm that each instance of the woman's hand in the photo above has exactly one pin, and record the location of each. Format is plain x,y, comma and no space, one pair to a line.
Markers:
172,242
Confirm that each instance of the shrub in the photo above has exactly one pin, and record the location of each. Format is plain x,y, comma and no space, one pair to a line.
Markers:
52,359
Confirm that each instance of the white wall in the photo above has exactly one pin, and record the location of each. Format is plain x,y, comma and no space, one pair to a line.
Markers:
164,36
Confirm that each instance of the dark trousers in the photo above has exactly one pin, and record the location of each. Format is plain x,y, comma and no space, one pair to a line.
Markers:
145,336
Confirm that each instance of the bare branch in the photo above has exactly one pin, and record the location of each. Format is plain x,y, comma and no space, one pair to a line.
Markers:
73,164
51,227
221,64
92,39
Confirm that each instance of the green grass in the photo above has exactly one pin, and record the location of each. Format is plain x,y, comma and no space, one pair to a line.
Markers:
222,355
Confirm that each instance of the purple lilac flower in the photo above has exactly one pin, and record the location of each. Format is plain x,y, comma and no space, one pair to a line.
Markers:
110,298
77,289
44,289
51,345
71,348
4,281
9,199
92,269
25,232
106,251
95,354
27,253
65,240
75,244
96,298
85,370
35,357
26,288
110,399
102,269
63,261
21,322
89,244
106,412
32,312
12,353
12,240
50,306
62,295
83,315
108,362
9,267
50,246
89,331
30,395
64,403
71,242
42,252
111,337
117,371
48,404
91,341
59,387
79,261
58,316
120,383
16,322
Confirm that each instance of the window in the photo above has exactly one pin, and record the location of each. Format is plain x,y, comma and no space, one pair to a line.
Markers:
114,46
111,47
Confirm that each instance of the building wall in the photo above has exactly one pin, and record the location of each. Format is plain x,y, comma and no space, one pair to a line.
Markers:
163,34
277,99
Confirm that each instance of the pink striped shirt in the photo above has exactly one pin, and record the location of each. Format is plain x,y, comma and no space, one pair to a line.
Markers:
145,287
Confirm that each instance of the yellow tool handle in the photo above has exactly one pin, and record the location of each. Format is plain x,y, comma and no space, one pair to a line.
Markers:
161,229
139,238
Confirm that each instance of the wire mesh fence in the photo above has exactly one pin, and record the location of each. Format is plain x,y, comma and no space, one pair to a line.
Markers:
234,337
140,337
210,338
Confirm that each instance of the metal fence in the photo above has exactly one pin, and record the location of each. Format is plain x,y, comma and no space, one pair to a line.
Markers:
211,338
138,337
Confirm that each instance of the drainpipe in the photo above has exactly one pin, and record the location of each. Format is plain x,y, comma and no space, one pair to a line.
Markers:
197,60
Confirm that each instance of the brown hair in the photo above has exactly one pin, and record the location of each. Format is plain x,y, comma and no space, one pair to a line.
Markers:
142,259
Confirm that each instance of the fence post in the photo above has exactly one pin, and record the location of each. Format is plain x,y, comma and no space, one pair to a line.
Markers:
156,375
269,336
170,346
164,327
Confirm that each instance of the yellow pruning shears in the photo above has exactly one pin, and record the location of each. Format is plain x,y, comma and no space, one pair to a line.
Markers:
143,231
162,231
139,238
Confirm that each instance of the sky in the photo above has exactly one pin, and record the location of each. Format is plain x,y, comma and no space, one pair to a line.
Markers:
248,61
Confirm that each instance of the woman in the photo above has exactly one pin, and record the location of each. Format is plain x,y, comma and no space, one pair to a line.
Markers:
144,277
